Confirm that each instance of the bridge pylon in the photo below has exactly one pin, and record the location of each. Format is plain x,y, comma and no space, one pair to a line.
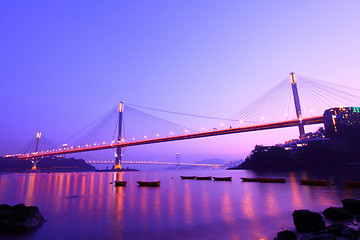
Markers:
297,103
177,159
118,148
35,161
38,136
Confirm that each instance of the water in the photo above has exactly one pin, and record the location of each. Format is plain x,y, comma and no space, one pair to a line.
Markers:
86,206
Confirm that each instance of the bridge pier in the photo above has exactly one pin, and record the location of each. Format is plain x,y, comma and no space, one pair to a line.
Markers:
34,162
118,148
297,103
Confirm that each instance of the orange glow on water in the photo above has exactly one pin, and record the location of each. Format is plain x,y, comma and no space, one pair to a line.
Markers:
247,203
205,203
227,208
188,204
296,196
272,208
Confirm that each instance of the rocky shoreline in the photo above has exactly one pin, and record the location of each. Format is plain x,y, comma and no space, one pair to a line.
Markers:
19,218
311,225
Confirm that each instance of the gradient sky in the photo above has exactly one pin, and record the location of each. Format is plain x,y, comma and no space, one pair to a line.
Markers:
65,63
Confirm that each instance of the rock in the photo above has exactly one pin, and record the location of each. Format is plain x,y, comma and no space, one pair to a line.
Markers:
286,235
337,213
306,221
350,233
335,229
352,205
305,236
324,236
19,218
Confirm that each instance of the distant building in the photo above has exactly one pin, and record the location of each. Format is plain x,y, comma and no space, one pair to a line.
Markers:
308,139
341,120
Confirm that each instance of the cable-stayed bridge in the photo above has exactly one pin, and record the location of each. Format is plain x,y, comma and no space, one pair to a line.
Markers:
280,107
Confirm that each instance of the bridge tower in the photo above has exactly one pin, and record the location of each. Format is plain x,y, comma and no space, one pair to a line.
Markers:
38,136
118,149
177,159
297,103
33,160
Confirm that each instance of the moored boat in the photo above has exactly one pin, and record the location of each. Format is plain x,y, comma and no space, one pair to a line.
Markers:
120,183
203,178
251,179
222,178
273,180
149,184
265,180
187,177
351,183
314,182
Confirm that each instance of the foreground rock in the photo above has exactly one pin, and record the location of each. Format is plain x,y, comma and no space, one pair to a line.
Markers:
306,221
333,232
286,235
19,218
352,205
337,213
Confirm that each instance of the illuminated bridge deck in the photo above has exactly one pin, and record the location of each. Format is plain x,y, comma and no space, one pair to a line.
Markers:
291,123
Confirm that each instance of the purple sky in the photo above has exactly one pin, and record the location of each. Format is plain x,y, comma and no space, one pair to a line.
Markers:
65,63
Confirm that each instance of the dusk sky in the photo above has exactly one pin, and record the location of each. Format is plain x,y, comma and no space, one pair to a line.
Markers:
65,63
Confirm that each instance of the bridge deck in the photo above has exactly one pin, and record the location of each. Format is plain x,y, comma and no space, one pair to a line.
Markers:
291,123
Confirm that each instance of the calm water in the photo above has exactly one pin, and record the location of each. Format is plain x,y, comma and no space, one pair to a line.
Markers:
86,206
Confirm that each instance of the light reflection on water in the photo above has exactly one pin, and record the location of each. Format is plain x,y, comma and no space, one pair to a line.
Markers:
86,206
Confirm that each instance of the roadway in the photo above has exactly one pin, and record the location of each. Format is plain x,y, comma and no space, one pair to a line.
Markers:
284,124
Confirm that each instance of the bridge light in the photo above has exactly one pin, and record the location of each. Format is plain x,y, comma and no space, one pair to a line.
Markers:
311,110
262,118
286,114
171,133
121,107
38,135
144,136
133,139
157,135
222,124
292,78
103,142
186,130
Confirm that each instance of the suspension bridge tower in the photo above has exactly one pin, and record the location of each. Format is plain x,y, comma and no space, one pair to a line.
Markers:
297,103
177,158
38,136
118,148
33,160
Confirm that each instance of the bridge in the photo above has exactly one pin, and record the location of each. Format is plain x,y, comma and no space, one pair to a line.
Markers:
318,96
159,163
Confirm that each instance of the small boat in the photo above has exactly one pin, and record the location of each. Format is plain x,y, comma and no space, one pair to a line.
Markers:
351,183
203,178
251,179
187,177
119,183
273,180
314,182
222,178
149,184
